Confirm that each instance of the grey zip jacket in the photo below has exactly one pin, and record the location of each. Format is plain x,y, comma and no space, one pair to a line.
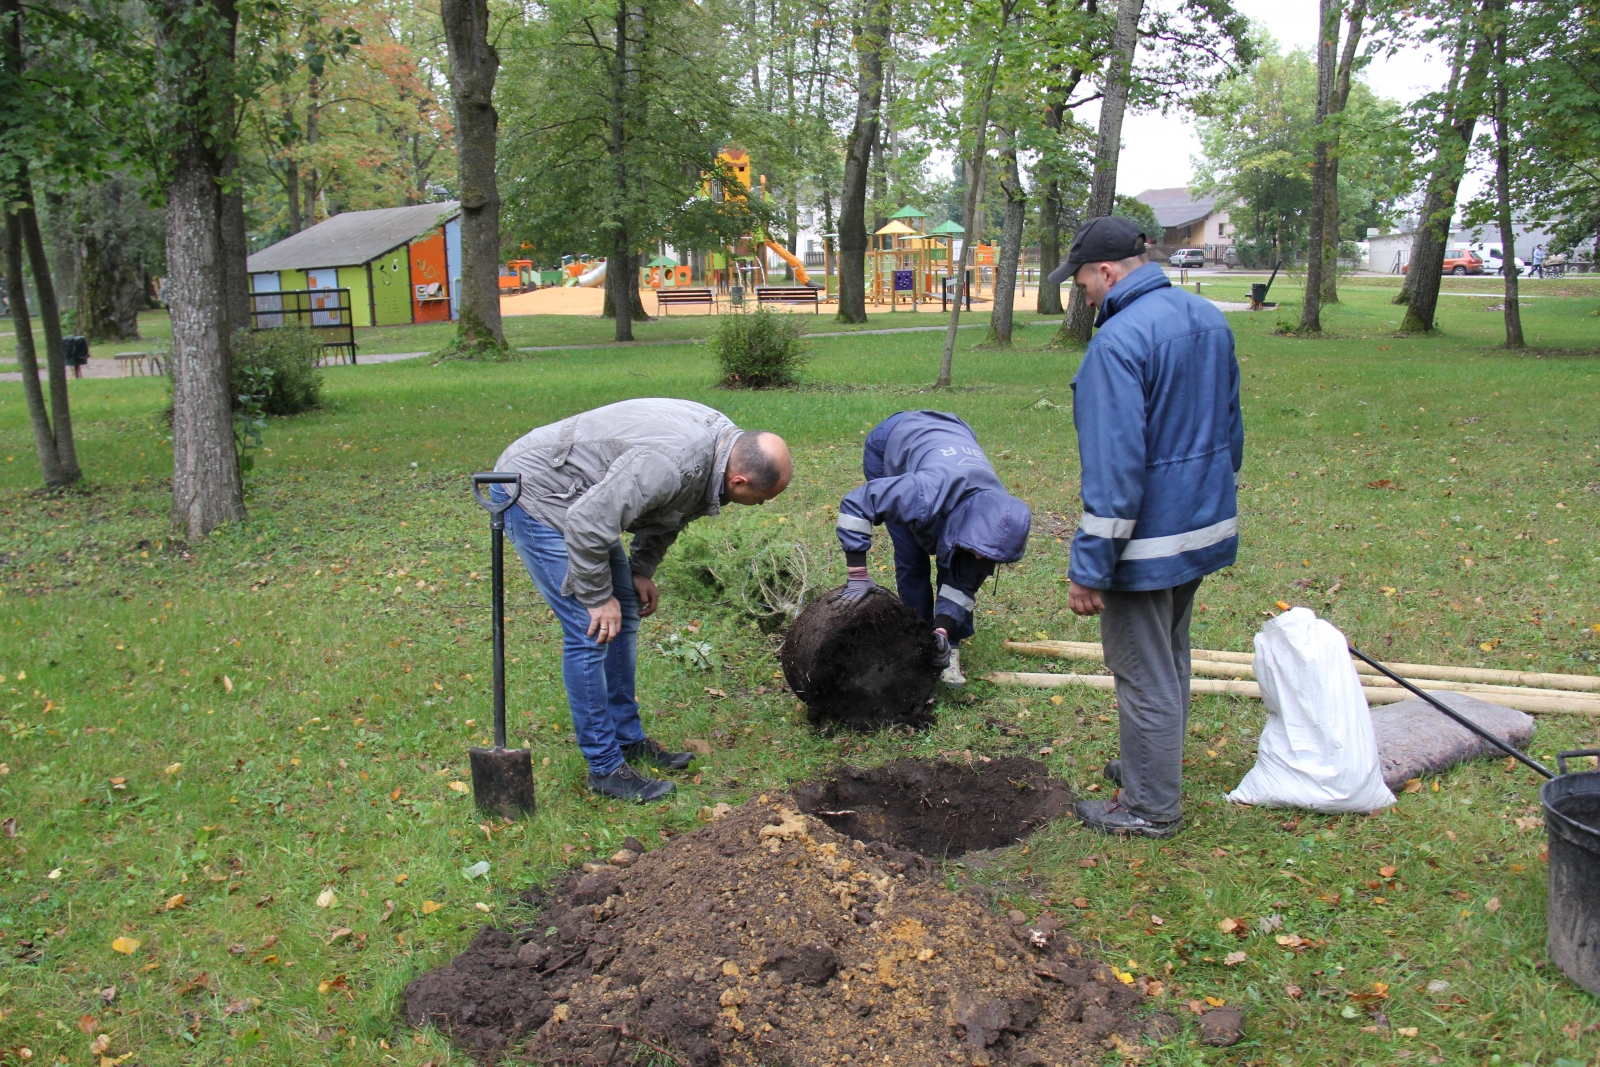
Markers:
648,467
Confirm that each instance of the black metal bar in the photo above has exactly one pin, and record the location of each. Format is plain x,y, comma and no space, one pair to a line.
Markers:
1461,719
1270,280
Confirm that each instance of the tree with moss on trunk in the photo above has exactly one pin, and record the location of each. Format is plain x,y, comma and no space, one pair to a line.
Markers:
871,42
474,64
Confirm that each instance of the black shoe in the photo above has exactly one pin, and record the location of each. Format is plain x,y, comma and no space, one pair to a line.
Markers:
1110,817
1113,772
625,783
648,751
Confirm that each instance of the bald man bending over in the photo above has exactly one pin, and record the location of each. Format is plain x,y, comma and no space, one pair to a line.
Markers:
645,467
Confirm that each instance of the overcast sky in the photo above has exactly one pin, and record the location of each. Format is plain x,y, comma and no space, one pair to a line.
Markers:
1156,149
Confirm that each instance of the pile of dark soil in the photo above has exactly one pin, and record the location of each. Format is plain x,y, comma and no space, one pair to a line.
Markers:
939,809
864,665
767,938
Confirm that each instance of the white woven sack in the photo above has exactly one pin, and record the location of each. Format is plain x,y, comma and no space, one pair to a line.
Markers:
1317,750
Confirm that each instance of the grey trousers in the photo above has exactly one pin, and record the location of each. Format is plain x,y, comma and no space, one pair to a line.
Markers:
1146,641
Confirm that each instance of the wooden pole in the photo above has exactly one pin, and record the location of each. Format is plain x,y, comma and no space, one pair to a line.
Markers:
1546,705
1480,675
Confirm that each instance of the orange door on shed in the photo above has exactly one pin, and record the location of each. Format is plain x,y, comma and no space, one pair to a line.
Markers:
430,283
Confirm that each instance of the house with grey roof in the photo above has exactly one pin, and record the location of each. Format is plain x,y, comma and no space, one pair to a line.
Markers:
1189,220
400,265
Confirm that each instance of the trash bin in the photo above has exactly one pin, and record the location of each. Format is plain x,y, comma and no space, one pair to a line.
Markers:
75,351
1258,293
736,296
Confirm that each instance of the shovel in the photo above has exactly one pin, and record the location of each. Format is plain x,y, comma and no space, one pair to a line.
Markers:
502,778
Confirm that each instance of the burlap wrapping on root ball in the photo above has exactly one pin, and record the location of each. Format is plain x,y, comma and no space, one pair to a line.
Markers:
864,665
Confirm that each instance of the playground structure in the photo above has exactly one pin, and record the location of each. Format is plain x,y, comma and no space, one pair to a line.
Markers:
907,264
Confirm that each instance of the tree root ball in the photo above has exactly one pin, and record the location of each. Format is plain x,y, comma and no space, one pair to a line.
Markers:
864,665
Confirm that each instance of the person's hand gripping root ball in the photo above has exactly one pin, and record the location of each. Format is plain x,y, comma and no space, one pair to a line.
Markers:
857,586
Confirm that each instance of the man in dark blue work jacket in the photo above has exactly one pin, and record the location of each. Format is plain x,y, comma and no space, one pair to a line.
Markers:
1160,437
933,489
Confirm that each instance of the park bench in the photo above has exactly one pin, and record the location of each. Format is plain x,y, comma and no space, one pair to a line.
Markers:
668,297
135,364
788,294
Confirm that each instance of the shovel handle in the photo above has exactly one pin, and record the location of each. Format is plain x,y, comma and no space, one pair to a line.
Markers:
483,478
1577,753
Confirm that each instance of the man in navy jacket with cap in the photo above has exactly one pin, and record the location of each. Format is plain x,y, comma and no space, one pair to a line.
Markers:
1161,440
933,489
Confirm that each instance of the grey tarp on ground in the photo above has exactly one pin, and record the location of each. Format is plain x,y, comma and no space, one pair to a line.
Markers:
1415,738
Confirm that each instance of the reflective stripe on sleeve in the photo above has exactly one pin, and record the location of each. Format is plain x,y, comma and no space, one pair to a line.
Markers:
854,523
956,596
1177,544
1097,526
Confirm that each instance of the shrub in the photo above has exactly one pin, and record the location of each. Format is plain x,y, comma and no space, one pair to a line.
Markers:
279,368
759,349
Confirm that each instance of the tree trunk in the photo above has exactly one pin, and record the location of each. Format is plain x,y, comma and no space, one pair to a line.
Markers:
1502,188
1108,148
1341,99
473,66
291,184
313,119
1049,298
1327,40
873,39
110,292
1005,277
969,209
206,488
1458,121
44,439
235,249
55,349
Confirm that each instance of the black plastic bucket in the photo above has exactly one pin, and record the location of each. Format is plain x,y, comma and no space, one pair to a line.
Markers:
1258,292
1572,821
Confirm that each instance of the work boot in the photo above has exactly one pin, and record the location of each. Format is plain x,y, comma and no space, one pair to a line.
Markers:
1110,817
952,674
648,751
625,783
1113,772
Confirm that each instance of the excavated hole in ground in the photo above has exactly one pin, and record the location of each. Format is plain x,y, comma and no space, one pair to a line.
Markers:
938,809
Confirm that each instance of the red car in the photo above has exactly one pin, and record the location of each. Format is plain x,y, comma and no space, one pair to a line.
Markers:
1457,261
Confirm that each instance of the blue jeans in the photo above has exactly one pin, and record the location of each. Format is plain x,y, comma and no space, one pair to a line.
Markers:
913,568
598,678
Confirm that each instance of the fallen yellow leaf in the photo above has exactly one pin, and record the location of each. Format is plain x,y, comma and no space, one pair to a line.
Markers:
174,768
1492,905
125,945
430,906
396,794
1413,785
1215,1002
227,684
177,900
460,787
327,898
400,879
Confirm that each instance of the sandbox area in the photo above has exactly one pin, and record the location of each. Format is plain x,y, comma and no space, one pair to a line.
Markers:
767,937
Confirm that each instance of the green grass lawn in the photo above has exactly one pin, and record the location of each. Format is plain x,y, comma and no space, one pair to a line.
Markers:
200,740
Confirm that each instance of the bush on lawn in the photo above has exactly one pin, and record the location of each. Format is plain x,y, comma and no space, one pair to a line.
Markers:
759,349
290,354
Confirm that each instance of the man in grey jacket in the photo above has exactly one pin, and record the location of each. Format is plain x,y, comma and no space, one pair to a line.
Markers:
649,468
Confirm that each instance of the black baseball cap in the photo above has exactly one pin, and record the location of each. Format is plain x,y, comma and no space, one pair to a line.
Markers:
1109,237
